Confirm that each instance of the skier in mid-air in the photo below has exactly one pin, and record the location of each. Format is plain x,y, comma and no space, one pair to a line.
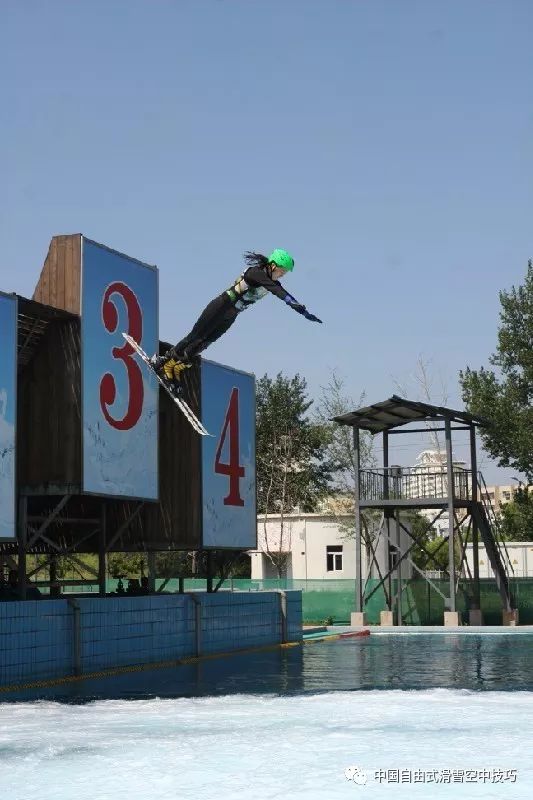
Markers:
259,278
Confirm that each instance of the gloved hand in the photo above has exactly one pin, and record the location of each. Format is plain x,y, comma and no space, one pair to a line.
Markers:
311,317
301,309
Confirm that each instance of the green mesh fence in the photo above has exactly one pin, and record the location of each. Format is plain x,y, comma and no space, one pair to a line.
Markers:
333,600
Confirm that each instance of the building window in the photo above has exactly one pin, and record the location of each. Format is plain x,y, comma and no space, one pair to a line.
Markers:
334,558
393,557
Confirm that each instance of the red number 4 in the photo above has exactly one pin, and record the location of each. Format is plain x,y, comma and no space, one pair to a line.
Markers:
233,469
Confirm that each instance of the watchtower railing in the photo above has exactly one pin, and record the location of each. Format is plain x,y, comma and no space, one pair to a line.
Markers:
495,525
410,483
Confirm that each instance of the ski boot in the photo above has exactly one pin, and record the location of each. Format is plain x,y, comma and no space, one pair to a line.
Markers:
169,370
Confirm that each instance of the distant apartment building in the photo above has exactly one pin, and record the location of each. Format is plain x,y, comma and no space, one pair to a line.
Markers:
499,495
428,477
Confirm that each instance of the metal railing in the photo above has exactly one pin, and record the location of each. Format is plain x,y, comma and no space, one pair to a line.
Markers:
492,517
412,484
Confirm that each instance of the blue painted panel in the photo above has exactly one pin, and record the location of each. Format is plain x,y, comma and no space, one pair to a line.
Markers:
228,457
8,411
120,397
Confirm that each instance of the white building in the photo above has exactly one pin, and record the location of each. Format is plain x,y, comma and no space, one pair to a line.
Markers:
428,478
429,474
317,548
520,555
499,495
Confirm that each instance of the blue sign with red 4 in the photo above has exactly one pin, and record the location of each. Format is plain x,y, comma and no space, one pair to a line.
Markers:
228,458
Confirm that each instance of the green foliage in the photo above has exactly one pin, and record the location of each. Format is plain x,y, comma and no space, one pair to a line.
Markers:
516,517
241,567
173,564
334,402
433,554
438,554
126,565
506,398
292,468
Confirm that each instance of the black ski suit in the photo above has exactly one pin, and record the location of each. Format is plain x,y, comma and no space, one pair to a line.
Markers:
221,313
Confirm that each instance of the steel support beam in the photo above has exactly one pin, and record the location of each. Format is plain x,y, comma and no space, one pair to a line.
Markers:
209,570
475,531
151,570
125,525
415,541
357,501
451,521
102,552
22,544
49,519
399,570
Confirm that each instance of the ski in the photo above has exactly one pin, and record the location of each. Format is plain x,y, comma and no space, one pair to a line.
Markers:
182,405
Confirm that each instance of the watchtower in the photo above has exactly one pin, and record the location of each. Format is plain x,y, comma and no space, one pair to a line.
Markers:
457,493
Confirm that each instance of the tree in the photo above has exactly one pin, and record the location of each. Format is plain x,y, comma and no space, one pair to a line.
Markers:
506,397
431,551
516,517
126,565
340,450
423,382
291,456
334,402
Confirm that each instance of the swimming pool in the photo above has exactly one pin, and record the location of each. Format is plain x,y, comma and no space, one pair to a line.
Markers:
289,723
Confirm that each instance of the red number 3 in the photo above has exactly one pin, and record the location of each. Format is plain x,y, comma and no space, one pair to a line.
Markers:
233,470
108,389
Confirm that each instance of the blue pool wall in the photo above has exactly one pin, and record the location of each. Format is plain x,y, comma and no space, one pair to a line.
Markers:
47,639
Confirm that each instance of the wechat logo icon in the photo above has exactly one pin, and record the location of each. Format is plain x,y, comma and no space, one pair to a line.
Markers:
356,775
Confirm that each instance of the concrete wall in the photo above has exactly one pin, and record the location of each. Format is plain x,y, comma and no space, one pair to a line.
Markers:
38,641
520,555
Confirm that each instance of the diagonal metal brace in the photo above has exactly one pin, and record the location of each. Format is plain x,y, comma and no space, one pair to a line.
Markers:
48,521
125,525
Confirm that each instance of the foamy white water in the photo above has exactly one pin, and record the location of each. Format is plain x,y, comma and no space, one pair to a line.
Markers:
266,746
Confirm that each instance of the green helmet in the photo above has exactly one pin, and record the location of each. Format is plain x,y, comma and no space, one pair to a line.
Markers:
282,259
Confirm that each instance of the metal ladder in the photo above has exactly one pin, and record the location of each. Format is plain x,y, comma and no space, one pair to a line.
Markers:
489,529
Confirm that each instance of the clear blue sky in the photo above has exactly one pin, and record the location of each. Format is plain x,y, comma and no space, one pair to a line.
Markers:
387,144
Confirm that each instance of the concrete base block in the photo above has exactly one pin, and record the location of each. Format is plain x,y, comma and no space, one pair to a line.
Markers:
386,618
358,618
475,616
451,619
510,618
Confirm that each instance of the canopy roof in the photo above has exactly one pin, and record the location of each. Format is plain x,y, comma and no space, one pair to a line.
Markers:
33,320
397,411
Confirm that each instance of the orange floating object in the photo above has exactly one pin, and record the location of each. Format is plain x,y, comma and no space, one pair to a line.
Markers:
351,635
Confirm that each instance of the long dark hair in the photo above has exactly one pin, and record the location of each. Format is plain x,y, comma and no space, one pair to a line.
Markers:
255,260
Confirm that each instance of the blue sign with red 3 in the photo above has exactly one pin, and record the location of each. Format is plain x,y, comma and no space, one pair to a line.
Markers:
228,458
119,396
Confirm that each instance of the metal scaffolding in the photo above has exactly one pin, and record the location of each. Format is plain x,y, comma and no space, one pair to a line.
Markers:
450,491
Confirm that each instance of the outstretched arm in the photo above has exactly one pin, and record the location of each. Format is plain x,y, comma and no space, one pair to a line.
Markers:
293,303
257,277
